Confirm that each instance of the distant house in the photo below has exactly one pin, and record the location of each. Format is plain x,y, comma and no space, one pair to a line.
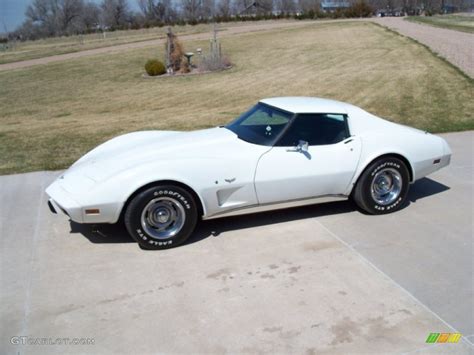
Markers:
333,5
256,7
449,8
390,12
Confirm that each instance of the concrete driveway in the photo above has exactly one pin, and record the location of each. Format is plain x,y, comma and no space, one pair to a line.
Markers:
456,46
318,279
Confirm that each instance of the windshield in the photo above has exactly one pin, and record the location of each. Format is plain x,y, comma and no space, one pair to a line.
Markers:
262,124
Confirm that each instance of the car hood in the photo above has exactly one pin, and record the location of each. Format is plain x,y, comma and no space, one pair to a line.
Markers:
133,149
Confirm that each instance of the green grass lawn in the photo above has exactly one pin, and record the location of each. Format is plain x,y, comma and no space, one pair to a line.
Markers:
52,114
459,22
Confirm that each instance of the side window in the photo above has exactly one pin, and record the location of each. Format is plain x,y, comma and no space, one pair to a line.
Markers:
316,129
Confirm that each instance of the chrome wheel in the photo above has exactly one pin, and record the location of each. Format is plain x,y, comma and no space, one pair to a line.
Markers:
163,218
386,186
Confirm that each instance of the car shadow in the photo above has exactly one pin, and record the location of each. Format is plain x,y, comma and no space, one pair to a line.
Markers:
424,188
117,233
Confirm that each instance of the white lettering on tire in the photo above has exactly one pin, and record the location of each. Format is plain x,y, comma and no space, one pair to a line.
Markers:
175,195
381,166
150,241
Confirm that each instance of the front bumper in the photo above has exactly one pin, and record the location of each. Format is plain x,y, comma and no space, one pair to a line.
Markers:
61,202
78,205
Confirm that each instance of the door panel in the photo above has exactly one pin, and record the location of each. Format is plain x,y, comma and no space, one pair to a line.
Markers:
284,175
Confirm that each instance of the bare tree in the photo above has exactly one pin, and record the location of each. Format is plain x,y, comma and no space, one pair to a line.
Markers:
115,13
309,5
191,9
42,14
90,17
207,9
432,6
224,8
157,10
69,16
286,6
55,17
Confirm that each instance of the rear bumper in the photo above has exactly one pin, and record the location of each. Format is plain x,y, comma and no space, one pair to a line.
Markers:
429,166
436,158
445,161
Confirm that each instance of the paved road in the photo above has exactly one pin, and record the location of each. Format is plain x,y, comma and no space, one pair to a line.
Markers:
317,279
457,47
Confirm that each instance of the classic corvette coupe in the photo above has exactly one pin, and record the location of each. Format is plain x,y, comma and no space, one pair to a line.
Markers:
285,151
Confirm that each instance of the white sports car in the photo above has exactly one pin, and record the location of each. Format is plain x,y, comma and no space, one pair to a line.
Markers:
283,152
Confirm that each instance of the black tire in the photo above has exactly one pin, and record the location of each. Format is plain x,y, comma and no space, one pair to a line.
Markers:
362,194
181,202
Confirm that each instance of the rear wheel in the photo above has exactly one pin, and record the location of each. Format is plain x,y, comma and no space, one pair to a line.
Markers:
161,217
383,186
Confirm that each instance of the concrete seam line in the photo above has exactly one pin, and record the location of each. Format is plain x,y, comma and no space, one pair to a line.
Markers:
393,281
26,314
469,341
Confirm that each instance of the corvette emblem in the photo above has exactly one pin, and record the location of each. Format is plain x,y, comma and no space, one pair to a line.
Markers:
229,180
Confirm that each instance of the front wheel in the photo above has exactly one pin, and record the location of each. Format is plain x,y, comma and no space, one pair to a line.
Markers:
383,186
161,217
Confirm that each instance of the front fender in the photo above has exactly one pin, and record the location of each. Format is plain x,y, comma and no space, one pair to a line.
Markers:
207,177
117,190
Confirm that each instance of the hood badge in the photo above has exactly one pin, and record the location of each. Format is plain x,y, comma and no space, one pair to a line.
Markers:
230,180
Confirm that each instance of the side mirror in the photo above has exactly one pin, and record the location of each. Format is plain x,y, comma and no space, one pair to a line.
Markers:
302,146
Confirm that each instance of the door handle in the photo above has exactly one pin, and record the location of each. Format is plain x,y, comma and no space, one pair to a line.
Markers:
348,139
